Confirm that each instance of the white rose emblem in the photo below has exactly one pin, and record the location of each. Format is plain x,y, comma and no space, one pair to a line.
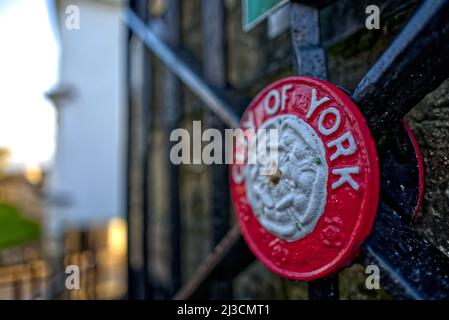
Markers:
290,202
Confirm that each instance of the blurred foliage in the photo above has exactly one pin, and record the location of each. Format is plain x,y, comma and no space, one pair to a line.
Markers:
352,285
16,229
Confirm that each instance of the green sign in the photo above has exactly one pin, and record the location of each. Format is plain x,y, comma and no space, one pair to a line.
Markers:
254,11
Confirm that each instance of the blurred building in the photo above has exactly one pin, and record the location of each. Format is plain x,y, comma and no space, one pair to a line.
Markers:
25,196
85,185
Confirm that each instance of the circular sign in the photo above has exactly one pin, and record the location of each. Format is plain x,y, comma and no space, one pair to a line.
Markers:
305,178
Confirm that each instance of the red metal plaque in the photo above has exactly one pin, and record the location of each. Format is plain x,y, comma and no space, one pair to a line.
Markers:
307,218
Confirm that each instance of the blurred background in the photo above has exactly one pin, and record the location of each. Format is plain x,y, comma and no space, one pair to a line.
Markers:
61,159
83,151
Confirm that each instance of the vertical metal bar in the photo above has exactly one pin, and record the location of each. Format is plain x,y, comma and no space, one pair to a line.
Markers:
310,60
214,68
310,57
172,116
136,272
130,275
146,132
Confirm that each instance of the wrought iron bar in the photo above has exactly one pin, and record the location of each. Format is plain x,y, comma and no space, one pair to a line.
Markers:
309,56
214,69
172,114
231,247
411,267
414,65
145,124
345,23
178,66
134,256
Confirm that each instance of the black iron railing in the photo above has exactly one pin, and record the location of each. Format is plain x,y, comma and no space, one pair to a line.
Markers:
415,64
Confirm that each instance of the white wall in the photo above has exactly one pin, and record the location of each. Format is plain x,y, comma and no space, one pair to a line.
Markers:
88,168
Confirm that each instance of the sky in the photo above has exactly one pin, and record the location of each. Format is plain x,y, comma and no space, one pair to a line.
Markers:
28,68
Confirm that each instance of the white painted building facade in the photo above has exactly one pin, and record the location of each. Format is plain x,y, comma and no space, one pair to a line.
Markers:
86,182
